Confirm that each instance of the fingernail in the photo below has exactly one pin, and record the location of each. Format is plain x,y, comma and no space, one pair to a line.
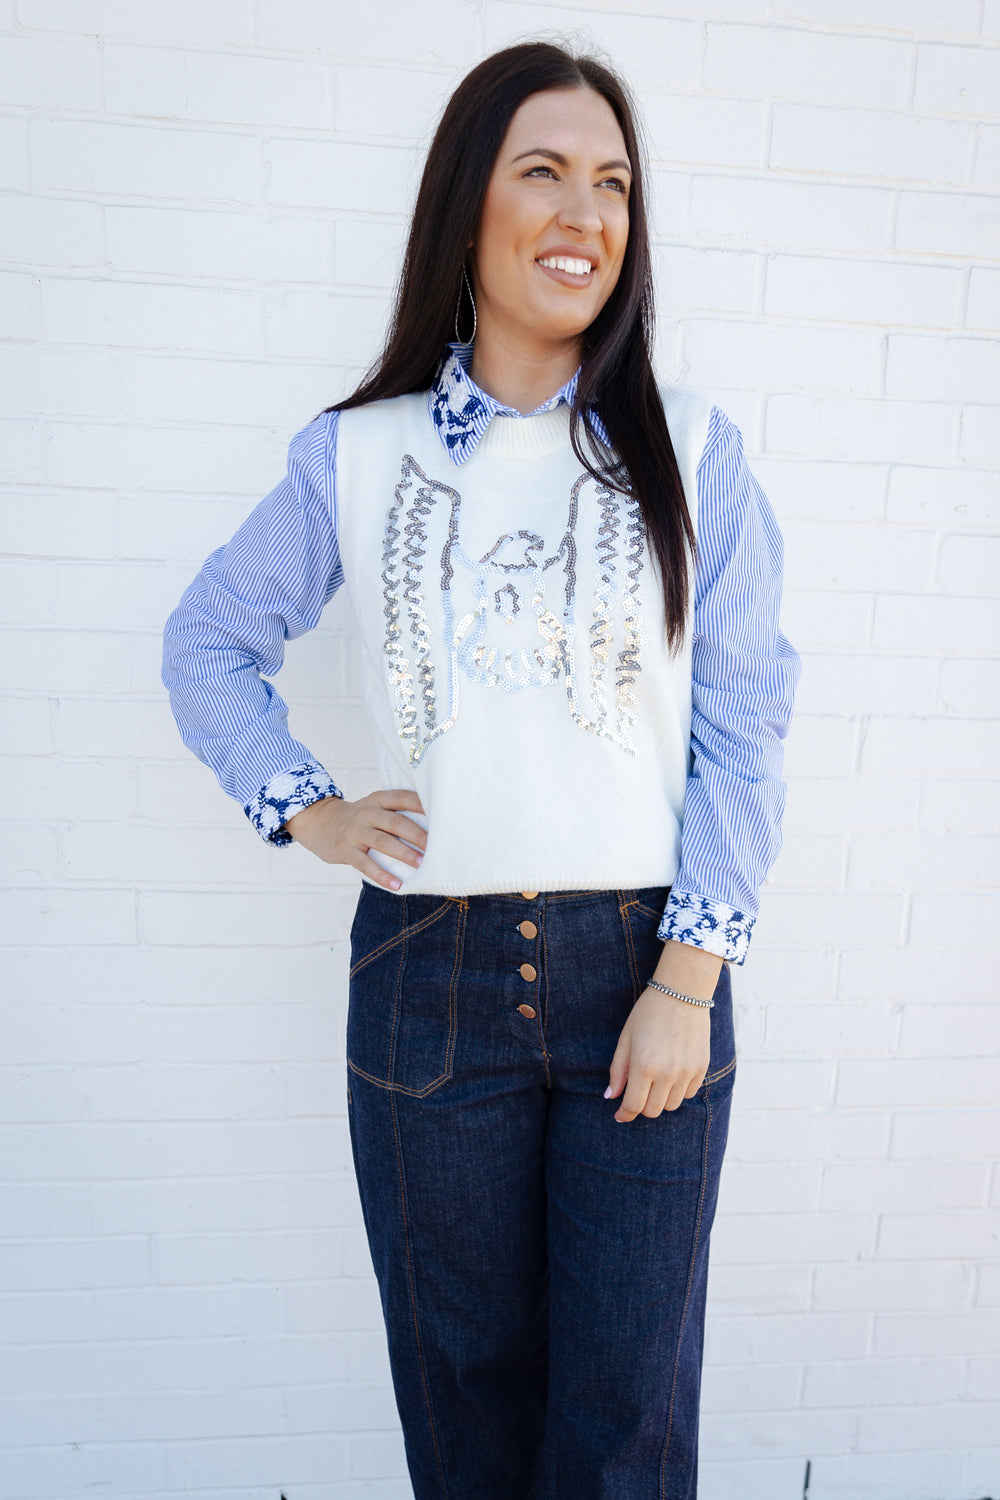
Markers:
607,1092
396,883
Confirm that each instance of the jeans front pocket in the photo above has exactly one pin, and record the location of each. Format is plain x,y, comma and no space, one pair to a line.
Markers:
402,1017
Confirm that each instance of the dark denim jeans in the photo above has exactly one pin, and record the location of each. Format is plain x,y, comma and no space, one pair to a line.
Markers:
541,1266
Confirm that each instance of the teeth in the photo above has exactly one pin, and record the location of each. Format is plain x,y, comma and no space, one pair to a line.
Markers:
562,263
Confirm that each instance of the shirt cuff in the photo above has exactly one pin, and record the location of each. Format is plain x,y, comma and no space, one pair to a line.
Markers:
703,923
285,795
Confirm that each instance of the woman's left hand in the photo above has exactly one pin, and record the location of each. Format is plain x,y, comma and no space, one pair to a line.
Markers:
665,1045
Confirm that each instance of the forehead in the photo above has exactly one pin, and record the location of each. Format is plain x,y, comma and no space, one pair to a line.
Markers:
567,120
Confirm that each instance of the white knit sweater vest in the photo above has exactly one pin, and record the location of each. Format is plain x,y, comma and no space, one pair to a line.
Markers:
515,661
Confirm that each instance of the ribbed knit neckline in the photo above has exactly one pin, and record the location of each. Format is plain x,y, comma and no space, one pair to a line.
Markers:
527,437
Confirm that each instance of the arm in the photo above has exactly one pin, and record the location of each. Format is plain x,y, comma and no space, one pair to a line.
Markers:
743,678
267,585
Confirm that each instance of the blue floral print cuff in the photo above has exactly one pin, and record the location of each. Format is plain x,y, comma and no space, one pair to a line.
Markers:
285,795
707,924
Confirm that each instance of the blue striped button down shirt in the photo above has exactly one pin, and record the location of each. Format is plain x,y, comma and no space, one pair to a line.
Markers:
270,583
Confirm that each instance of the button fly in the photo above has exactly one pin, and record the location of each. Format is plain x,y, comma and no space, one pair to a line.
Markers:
527,1010
527,929
528,972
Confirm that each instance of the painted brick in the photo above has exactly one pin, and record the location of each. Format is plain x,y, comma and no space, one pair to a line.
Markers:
656,51
13,152
695,129
145,81
229,246
919,17
50,72
980,444
857,290
228,22
50,232
245,90
387,101
943,369
786,215
948,224
926,431
957,500
859,558
984,298
369,253
691,279
143,161
953,806
935,623
319,174
143,315
869,143
986,173
785,63
778,355
957,80
449,31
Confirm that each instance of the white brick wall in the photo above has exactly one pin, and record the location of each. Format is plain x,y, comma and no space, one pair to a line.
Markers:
203,215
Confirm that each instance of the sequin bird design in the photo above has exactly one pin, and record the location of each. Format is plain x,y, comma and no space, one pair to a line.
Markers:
508,619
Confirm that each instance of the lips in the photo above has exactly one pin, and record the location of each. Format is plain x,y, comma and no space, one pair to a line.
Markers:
566,278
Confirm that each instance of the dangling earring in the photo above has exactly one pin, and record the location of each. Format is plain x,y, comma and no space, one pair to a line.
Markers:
458,336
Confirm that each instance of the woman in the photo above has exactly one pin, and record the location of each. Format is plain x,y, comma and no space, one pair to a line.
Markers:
578,715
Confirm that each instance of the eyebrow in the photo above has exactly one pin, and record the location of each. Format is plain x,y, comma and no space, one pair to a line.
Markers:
557,156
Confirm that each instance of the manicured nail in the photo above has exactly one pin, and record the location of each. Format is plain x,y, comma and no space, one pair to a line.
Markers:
607,1092
396,883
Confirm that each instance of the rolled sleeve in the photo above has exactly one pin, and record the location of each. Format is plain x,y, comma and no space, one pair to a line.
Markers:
743,678
267,585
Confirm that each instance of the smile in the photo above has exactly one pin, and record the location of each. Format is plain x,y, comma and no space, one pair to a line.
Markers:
567,270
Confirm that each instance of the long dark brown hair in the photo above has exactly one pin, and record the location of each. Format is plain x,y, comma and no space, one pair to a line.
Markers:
616,375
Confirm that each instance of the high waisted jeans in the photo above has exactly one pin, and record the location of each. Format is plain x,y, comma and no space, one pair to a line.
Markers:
541,1266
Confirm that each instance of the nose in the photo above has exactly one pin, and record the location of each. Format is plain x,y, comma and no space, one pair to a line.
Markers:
578,211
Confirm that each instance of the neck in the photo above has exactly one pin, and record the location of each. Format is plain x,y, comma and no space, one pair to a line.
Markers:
518,374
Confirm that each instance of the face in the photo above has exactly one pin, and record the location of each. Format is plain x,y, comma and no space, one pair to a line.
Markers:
559,189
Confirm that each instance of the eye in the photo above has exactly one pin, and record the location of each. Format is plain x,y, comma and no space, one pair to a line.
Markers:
619,184
621,187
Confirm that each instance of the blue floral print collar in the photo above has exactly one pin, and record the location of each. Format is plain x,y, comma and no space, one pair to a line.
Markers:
461,411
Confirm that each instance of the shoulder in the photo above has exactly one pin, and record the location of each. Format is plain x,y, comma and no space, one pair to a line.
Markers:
693,418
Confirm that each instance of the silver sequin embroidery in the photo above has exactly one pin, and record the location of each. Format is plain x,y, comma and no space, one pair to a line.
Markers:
518,629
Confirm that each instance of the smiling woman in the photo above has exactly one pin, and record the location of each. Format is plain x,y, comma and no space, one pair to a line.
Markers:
578,688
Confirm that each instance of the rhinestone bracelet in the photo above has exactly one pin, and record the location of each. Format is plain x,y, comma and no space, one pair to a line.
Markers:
654,984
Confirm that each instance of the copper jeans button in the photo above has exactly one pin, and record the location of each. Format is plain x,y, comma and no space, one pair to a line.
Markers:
527,929
530,895
528,972
527,1010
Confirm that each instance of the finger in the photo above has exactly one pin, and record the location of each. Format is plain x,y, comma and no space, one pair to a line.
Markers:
375,872
635,1098
656,1101
405,828
618,1072
395,797
386,843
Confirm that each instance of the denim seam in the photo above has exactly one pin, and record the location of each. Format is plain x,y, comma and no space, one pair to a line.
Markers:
411,1278
623,907
400,936
389,1083
687,1296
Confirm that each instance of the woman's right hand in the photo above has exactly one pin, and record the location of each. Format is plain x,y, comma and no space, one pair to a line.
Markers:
342,832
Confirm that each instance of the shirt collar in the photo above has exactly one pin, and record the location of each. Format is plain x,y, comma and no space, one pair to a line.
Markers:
461,411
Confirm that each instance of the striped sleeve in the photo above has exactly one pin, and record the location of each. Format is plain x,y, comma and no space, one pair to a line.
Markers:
266,586
743,678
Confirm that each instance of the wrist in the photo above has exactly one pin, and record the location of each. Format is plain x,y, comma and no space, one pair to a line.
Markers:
693,971
299,824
